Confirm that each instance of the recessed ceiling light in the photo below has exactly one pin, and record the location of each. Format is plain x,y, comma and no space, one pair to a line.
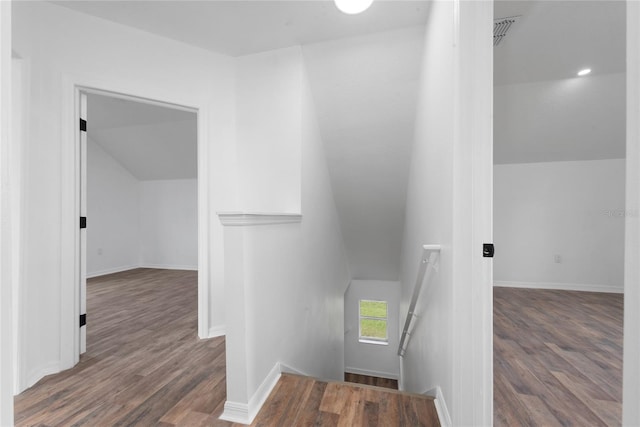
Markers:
352,7
584,72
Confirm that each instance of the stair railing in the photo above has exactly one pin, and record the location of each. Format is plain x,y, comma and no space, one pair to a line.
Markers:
428,264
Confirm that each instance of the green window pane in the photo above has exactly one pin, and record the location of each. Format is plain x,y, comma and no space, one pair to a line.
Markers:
371,328
373,309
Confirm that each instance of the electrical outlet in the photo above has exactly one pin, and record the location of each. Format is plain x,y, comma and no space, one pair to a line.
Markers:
99,251
557,259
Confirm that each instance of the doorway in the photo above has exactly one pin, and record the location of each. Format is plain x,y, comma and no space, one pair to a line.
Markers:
559,199
138,189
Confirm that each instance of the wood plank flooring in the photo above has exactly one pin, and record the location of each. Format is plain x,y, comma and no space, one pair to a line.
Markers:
146,366
303,401
557,358
369,380
144,363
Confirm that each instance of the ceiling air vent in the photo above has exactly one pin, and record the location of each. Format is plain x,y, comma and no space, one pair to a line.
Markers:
501,27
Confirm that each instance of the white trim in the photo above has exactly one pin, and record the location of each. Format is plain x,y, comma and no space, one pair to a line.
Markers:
245,413
441,409
133,267
40,372
217,331
170,267
235,412
111,271
72,85
6,258
289,370
400,373
257,218
631,361
560,286
371,373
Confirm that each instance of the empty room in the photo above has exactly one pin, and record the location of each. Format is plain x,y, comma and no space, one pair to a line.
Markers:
559,212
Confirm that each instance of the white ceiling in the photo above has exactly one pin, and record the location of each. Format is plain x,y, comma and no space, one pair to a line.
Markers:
555,39
150,141
241,27
543,112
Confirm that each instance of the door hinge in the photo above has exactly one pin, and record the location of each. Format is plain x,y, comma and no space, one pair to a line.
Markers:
83,222
488,250
83,320
83,125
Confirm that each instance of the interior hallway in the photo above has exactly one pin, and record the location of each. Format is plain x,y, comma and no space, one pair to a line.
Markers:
145,365
557,358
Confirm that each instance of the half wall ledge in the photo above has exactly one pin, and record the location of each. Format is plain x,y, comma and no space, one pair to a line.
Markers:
257,218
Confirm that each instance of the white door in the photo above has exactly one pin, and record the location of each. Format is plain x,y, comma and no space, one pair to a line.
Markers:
83,223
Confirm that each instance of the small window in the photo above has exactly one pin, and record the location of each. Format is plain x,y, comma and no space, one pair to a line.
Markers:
373,322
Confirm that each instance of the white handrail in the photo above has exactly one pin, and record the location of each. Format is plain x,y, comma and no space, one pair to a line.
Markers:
430,254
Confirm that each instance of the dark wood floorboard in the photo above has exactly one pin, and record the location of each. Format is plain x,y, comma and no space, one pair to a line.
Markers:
145,366
369,380
557,358
144,360
304,401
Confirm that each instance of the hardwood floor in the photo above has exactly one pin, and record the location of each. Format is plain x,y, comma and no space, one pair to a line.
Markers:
369,380
303,401
146,366
144,363
557,358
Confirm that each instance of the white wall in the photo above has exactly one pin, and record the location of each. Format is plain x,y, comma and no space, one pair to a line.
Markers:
64,47
429,357
113,214
449,203
169,224
286,283
6,301
134,223
365,358
559,121
268,130
368,135
572,209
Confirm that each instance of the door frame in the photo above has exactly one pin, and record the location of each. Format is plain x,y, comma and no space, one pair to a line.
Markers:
73,86
631,360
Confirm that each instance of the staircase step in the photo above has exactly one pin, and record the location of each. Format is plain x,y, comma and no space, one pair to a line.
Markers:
299,401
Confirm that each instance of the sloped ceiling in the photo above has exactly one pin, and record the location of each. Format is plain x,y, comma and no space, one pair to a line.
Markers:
365,94
543,111
150,141
555,39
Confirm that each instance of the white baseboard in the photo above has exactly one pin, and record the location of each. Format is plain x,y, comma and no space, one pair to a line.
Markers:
170,267
39,373
286,369
369,373
441,409
217,331
133,267
111,271
236,412
244,413
560,286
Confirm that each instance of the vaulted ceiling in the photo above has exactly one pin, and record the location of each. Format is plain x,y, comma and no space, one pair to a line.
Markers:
152,142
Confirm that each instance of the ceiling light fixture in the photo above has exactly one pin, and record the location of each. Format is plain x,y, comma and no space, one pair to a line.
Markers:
353,7
584,72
